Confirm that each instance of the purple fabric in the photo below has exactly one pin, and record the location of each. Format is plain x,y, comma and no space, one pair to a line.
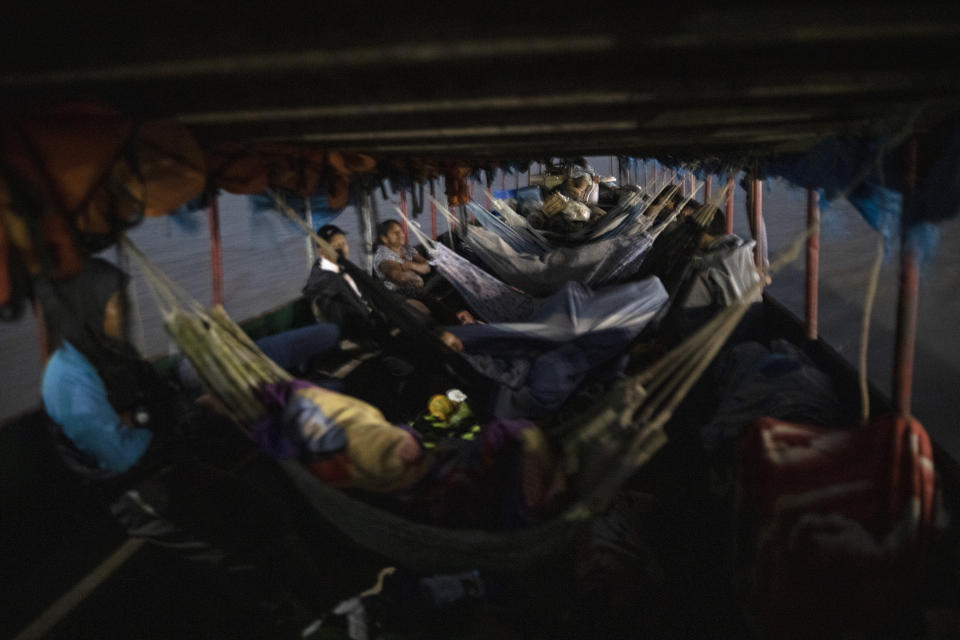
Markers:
268,432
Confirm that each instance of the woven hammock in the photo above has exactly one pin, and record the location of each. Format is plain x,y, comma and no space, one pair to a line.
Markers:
602,450
497,301
594,264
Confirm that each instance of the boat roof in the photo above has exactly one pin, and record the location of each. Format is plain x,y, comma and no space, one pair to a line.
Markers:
497,81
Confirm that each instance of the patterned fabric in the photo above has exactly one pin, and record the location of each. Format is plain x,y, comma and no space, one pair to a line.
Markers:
386,254
311,423
488,297
843,522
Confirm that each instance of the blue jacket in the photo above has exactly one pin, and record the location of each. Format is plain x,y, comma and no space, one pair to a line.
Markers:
76,399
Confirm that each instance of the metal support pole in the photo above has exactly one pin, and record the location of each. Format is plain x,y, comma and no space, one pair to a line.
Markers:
464,221
216,254
731,186
813,263
433,212
707,188
366,230
403,207
311,249
908,295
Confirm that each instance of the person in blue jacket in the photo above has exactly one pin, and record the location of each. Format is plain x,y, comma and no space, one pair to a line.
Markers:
155,454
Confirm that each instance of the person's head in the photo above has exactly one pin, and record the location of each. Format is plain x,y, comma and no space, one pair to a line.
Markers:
336,238
391,234
689,209
88,310
451,341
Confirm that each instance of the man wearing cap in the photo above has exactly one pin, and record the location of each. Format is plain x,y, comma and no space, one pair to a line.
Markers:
333,295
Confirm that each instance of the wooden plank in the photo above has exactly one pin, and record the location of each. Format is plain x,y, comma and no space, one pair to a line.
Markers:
76,595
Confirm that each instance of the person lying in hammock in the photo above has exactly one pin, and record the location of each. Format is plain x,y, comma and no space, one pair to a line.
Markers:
404,270
536,379
165,466
335,297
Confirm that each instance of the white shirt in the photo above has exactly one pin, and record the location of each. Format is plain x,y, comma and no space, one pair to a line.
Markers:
326,265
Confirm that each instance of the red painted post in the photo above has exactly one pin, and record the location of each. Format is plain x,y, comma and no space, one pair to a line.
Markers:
707,188
729,212
759,231
813,263
403,207
908,295
216,253
433,212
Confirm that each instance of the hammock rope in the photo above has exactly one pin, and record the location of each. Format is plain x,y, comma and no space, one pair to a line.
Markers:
228,362
868,300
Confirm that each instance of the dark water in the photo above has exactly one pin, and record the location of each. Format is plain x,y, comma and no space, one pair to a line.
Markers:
265,264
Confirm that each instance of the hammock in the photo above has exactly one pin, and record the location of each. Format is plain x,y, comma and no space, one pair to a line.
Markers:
593,264
671,254
490,298
576,311
517,221
515,238
602,450
627,218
